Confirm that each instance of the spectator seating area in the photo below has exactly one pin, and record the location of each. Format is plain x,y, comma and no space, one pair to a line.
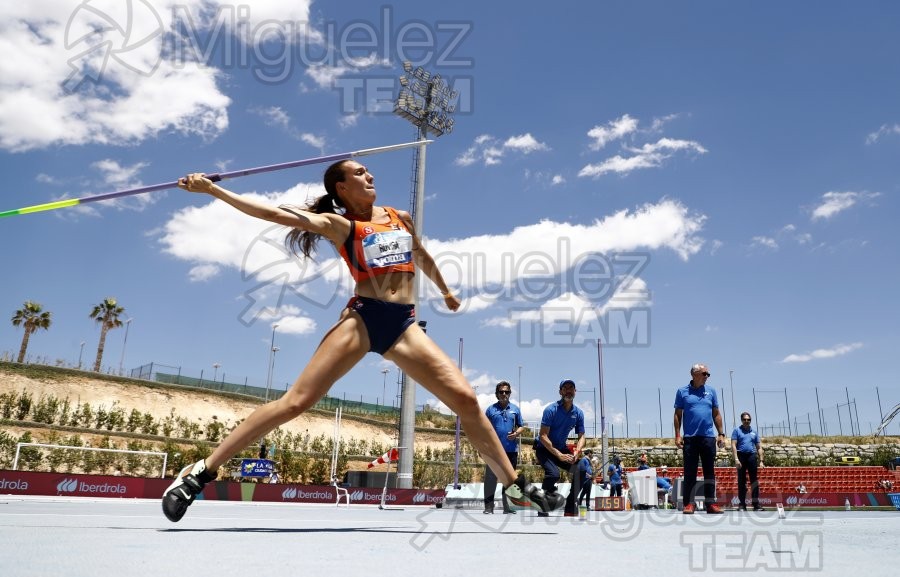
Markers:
850,479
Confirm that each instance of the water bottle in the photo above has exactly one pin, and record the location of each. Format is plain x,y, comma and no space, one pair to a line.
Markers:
582,513
846,504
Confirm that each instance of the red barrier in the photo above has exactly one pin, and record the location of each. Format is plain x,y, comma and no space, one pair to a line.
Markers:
794,500
70,485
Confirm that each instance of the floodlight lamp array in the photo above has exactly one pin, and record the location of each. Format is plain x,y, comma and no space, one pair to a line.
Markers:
426,100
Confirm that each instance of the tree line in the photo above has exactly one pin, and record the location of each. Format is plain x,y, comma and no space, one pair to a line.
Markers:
32,317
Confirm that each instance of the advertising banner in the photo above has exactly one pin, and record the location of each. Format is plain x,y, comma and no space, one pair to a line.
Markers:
62,484
257,468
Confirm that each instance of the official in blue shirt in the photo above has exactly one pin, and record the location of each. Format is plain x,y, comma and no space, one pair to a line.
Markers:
551,447
615,477
697,409
506,418
745,447
587,478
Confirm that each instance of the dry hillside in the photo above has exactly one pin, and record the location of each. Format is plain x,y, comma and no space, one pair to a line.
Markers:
201,406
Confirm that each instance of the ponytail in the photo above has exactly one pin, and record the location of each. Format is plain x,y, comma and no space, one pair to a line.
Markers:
303,242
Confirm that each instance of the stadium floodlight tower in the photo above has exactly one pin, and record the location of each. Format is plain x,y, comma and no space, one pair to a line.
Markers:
427,102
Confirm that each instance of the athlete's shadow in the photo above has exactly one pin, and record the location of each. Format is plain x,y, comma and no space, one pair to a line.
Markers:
398,530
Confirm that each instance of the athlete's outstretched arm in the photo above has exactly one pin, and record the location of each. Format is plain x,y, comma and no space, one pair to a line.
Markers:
330,226
426,264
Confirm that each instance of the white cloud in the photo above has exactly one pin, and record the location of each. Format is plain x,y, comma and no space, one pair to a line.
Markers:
630,293
115,174
833,203
296,325
787,233
115,93
659,122
348,120
576,312
557,180
555,247
648,155
525,143
325,75
532,409
668,144
499,260
884,130
613,130
194,234
621,165
764,242
276,116
835,351
490,151
204,272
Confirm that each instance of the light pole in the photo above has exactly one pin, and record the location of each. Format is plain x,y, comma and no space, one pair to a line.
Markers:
274,350
125,342
215,371
519,386
384,374
271,362
731,382
426,101
604,440
80,353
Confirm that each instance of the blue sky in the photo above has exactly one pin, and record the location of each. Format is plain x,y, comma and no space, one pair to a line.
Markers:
690,182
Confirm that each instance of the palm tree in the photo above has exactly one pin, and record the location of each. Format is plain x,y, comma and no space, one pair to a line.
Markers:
107,314
32,317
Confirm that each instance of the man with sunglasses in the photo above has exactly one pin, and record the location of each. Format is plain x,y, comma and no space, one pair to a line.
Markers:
551,447
697,408
745,447
506,418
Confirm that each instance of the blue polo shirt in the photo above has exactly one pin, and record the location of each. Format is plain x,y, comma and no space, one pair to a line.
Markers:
615,474
697,404
505,421
561,423
586,470
747,441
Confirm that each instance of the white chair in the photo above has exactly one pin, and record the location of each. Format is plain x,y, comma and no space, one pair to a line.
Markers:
340,491
335,452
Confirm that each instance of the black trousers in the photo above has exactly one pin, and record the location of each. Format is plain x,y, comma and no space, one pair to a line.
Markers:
490,481
552,467
586,485
699,450
749,467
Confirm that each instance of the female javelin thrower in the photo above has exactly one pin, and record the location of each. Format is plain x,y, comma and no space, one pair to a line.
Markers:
380,246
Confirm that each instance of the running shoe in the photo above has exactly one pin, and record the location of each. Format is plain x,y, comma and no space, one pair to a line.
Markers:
187,485
532,496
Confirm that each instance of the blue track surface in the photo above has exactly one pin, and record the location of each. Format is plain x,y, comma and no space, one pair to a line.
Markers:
95,538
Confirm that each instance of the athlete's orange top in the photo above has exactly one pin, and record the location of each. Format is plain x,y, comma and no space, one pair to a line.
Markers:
375,249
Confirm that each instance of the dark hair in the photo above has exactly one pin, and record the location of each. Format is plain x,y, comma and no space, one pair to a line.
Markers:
746,413
304,242
501,384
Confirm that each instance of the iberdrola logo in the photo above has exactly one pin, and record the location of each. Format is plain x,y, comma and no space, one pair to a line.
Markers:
67,486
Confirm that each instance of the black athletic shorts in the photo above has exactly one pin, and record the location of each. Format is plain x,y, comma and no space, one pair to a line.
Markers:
384,321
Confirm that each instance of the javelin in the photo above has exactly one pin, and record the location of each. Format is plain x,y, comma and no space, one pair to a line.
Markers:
216,177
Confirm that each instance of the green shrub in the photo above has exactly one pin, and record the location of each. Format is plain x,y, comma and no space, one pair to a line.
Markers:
23,406
29,457
45,410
